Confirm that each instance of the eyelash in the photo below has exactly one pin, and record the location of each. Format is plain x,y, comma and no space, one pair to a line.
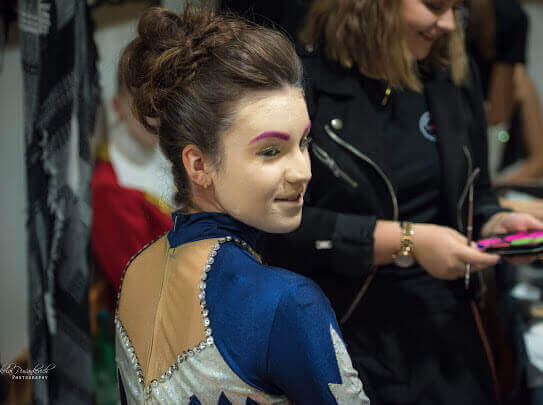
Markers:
274,150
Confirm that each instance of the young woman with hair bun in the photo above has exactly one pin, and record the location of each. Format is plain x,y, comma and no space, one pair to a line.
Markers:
199,318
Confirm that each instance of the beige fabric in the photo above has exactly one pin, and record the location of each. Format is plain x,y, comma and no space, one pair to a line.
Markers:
159,306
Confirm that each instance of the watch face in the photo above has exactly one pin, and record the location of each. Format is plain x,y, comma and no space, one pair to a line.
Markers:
404,260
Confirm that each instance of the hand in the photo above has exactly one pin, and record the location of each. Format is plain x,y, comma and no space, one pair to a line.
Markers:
444,253
509,222
534,207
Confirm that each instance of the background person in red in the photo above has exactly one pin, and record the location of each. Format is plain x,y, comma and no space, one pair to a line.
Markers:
131,192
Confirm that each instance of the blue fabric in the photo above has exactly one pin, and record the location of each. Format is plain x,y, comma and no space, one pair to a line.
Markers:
271,326
206,225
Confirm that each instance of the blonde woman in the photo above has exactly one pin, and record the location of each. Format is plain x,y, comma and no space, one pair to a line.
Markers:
398,127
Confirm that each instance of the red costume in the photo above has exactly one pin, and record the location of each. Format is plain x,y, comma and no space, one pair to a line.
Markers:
124,220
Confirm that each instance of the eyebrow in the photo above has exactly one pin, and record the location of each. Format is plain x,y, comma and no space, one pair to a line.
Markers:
277,134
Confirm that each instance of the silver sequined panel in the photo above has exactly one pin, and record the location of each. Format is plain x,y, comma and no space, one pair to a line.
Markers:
205,375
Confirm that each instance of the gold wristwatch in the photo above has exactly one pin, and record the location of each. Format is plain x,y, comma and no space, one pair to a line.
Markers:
404,258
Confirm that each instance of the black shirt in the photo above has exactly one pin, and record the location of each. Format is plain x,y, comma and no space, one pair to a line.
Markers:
412,155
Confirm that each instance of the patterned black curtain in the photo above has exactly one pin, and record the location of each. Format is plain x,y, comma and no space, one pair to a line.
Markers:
61,95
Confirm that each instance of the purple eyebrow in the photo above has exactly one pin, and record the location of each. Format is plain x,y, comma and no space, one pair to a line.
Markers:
276,134
271,134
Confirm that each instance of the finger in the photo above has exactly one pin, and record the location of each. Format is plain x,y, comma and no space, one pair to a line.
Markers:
532,223
477,258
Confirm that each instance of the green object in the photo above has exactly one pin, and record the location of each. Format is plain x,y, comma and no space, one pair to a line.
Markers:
523,241
104,369
503,136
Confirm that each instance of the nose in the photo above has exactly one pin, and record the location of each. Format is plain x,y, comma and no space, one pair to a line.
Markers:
447,21
299,170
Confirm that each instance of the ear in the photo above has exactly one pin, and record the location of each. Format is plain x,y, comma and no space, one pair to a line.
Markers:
196,166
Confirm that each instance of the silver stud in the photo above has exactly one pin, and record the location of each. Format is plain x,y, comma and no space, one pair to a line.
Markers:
202,346
202,304
216,246
228,238
185,355
208,332
180,359
213,253
169,372
190,352
210,260
207,268
203,276
309,48
154,383
141,381
205,313
209,340
206,322
202,285
337,124
196,349
222,240
202,295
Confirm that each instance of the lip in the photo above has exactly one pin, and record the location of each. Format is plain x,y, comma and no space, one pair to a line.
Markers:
289,200
426,38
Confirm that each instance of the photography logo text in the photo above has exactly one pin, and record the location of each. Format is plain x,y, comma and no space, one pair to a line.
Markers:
38,372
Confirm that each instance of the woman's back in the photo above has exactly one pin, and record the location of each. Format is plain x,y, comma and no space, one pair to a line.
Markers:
200,318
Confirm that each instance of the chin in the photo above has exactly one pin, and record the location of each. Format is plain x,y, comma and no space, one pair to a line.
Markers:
283,225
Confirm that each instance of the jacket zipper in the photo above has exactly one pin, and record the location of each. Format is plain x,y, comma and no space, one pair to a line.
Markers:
461,200
367,160
332,165
395,214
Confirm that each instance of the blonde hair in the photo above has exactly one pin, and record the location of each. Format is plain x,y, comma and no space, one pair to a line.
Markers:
370,35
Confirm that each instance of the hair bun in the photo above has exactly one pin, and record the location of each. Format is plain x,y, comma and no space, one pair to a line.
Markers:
168,53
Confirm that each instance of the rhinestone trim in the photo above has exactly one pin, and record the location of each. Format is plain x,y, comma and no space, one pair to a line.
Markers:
207,342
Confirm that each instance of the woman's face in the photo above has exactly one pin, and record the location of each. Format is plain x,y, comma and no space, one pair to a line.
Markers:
265,167
426,21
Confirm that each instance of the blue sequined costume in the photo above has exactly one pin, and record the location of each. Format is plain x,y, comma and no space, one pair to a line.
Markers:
270,334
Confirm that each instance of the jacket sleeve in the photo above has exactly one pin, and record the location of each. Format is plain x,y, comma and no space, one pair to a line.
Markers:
325,241
307,358
485,204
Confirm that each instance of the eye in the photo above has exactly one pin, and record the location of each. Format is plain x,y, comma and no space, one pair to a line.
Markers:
269,152
433,6
304,143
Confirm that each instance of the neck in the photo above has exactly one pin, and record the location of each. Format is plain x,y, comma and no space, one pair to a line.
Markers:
203,200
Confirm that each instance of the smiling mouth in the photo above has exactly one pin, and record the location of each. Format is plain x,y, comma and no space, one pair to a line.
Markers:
295,198
427,38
